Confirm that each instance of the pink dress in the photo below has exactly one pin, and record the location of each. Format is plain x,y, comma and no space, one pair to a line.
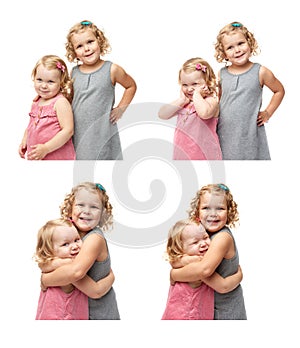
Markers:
43,126
187,303
55,304
196,138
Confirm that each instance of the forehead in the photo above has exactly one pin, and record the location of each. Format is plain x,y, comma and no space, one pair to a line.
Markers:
50,73
231,38
193,231
213,198
82,35
190,77
87,195
64,233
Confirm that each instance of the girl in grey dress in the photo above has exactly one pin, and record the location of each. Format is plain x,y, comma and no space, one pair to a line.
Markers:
88,207
241,128
215,208
96,135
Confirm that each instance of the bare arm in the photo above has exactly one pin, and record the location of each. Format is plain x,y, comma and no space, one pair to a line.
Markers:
206,107
87,285
95,289
65,119
169,110
224,285
118,75
268,79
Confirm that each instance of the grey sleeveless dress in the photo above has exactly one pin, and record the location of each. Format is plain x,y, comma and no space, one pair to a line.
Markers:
229,306
104,308
240,137
95,137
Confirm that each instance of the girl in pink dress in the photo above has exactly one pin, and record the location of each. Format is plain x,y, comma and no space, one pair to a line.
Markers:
58,243
188,242
48,135
197,111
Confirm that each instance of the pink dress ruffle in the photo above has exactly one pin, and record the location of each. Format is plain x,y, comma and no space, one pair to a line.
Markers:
55,304
196,138
43,126
187,303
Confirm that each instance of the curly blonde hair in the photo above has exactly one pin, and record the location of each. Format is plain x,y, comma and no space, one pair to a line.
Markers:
44,251
209,76
217,189
106,220
174,244
79,28
229,29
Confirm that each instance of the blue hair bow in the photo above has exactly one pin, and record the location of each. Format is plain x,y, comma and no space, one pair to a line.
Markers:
223,187
236,25
100,187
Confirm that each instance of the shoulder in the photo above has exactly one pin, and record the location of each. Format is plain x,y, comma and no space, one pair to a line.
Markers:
223,236
61,101
266,76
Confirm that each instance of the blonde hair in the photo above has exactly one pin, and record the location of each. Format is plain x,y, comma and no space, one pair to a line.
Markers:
217,189
175,245
209,76
79,28
52,62
66,208
44,249
229,29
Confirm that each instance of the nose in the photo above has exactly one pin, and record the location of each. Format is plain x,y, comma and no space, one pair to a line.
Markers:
44,85
86,47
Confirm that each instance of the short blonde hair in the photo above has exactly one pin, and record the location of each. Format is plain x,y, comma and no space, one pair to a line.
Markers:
66,208
218,189
174,243
44,249
83,26
232,28
52,62
209,76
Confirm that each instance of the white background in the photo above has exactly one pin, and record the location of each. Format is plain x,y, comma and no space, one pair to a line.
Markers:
151,40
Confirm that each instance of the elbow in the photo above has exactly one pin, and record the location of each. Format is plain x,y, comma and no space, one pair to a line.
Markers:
207,272
77,274
70,132
223,290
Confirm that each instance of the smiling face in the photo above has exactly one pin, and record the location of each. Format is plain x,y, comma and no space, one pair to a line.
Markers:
47,82
195,240
87,210
190,81
213,211
66,242
236,48
86,47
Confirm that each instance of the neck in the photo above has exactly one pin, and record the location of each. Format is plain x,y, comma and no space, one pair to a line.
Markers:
239,69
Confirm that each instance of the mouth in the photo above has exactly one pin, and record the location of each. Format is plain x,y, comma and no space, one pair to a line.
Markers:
85,219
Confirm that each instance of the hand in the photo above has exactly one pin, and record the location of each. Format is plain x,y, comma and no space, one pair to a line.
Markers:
22,150
172,281
183,98
115,115
262,118
43,287
203,91
38,152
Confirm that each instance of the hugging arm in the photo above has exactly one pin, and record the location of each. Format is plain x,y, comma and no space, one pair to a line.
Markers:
224,285
77,269
219,247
